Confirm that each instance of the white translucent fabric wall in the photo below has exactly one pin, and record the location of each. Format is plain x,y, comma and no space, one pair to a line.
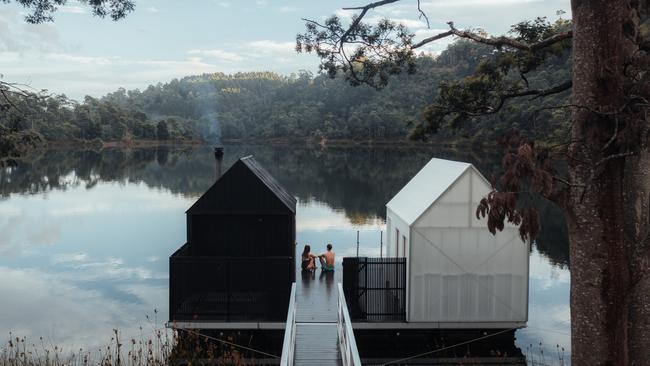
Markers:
454,208
463,275
459,271
393,224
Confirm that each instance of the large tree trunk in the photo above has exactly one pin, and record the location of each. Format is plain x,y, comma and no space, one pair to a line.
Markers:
608,218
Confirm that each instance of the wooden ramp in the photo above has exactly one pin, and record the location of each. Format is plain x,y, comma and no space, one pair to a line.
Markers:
317,344
315,327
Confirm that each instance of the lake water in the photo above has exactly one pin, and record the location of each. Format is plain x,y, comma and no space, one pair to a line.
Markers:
85,235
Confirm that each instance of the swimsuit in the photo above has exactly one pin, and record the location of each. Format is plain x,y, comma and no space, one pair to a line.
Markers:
304,264
326,267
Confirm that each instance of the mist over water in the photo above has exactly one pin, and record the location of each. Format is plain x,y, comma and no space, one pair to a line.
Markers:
85,235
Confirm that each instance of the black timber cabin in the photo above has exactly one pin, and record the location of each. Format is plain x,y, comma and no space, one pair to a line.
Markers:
239,260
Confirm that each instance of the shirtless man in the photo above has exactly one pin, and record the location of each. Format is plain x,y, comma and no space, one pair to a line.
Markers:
327,259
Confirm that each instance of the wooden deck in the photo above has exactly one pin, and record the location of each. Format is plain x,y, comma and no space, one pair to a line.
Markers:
316,317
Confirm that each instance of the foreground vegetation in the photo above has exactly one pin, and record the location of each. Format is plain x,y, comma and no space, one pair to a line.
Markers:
160,347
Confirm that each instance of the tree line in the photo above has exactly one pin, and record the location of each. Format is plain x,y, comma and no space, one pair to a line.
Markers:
266,105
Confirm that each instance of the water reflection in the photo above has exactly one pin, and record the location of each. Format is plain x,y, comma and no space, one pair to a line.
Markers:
88,232
358,180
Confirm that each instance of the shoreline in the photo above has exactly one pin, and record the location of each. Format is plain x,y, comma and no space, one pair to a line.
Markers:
280,142
120,143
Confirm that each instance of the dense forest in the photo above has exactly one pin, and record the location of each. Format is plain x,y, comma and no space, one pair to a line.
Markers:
265,105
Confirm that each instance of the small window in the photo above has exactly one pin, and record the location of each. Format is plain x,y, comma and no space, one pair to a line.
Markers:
404,246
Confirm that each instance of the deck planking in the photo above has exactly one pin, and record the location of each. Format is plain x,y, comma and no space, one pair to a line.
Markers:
317,344
316,318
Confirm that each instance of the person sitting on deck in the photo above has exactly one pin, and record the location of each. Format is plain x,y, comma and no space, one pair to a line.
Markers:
308,259
327,259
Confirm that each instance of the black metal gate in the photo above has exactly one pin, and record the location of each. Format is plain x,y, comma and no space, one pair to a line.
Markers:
375,288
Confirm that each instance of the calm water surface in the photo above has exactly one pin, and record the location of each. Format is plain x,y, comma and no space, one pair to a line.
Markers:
85,235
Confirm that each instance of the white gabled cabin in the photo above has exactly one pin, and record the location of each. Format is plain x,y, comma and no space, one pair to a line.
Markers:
459,275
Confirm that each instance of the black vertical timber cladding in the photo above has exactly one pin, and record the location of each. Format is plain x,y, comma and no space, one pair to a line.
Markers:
246,213
239,259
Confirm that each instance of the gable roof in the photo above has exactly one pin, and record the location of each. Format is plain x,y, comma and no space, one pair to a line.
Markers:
245,188
270,182
426,187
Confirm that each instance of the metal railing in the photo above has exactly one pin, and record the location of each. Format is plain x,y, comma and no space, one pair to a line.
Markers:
204,288
347,343
289,344
375,288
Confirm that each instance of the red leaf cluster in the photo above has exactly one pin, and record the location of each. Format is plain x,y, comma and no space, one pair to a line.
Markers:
526,172
502,207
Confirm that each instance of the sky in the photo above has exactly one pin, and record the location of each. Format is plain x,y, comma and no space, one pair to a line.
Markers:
79,54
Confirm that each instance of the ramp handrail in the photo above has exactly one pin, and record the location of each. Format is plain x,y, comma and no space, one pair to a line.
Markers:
289,344
347,343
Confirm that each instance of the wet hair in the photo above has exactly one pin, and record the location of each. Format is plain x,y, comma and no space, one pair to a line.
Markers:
329,246
306,251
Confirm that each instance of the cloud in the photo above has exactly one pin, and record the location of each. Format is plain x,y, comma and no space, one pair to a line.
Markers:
78,75
495,15
69,258
9,56
7,209
72,9
547,274
17,36
9,228
80,209
42,304
273,46
409,23
345,14
320,217
428,32
217,54
46,234
288,9
81,267
399,17
153,9
433,7
79,59
224,4
464,3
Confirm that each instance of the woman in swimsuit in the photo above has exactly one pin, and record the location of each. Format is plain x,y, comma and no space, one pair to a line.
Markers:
308,259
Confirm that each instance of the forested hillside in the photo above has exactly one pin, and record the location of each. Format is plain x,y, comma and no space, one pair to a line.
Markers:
265,105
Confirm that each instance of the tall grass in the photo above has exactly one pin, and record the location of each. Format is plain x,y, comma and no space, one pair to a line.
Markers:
160,347
535,356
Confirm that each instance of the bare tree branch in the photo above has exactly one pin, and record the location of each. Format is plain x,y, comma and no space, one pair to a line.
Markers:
423,15
554,90
371,5
433,38
615,156
496,42
537,93
567,183
357,20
